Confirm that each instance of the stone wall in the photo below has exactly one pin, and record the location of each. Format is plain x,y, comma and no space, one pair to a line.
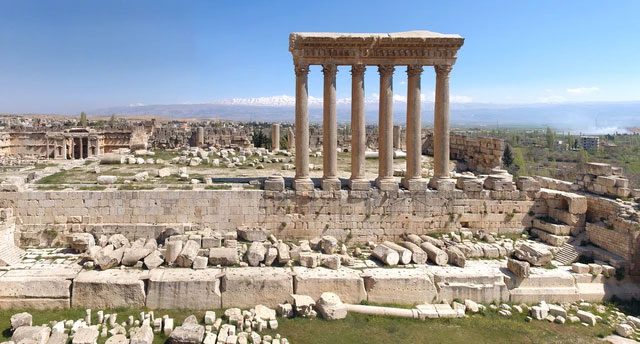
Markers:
44,217
611,239
480,154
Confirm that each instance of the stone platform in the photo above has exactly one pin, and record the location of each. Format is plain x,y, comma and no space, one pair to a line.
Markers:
66,285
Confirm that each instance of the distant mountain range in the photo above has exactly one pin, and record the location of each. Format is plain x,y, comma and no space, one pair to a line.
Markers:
591,117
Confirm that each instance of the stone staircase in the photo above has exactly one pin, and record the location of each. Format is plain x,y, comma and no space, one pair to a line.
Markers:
567,254
10,254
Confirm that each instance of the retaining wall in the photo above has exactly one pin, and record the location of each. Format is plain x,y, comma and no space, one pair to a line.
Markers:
43,217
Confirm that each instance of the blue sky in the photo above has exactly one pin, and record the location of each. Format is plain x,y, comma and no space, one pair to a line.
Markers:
68,56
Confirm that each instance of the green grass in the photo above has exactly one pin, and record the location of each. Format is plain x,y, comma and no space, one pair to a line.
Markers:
357,328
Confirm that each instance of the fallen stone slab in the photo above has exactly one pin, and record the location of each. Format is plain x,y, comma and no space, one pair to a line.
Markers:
184,289
109,289
117,339
518,267
536,255
85,335
31,334
344,282
246,288
58,338
142,335
187,334
399,286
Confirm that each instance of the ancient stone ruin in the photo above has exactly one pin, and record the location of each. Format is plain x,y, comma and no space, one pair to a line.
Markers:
447,246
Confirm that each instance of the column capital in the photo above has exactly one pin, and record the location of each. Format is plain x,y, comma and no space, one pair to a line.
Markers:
301,69
385,70
358,70
329,69
443,70
414,70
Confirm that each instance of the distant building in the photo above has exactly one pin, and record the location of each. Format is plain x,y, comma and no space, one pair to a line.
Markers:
589,143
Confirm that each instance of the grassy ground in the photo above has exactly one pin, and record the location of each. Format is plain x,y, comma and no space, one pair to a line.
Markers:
371,329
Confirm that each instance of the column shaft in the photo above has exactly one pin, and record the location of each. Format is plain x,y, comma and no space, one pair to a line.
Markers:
275,137
358,180
414,128
385,129
330,179
441,123
302,181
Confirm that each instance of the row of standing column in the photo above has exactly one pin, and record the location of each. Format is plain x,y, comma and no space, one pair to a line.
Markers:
385,181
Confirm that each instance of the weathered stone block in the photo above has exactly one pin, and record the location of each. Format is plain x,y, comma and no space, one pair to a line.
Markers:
246,288
108,289
399,286
344,282
184,289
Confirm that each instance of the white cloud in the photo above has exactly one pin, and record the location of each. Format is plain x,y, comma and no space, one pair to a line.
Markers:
582,90
136,104
552,99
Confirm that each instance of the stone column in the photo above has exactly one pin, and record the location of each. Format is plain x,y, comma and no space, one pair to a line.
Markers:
73,148
385,179
98,146
358,130
330,179
441,124
81,140
302,181
64,148
199,136
413,175
275,137
47,153
397,130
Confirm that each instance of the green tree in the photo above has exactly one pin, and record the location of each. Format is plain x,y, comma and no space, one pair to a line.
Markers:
583,156
551,138
112,120
83,119
507,156
260,139
519,166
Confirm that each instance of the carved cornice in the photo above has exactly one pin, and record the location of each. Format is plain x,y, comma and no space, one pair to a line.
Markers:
374,49
414,70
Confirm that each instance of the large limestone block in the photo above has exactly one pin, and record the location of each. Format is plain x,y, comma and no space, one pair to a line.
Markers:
184,289
399,286
108,289
247,287
536,255
31,303
478,281
344,282
35,287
